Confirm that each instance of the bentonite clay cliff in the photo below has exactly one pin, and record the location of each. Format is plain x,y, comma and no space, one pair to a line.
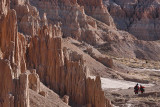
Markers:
51,49
26,60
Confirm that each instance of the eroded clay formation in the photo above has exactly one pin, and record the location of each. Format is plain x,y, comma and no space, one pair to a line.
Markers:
25,60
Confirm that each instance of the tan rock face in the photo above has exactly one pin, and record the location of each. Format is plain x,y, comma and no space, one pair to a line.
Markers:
8,33
27,17
96,9
14,90
34,82
66,99
12,43
21,91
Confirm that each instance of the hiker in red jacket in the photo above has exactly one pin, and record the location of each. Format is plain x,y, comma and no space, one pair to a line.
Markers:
136,89
142,89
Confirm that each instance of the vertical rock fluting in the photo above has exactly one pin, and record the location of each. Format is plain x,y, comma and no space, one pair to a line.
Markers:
8,34
14,89
21,91
94,94
13,92
44,55
12,43
6,84
82,89
63,70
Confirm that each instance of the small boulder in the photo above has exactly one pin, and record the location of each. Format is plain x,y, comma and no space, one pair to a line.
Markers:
42,93
65,99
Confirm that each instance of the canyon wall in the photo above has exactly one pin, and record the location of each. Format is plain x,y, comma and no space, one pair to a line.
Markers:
13,81
73,17
63,70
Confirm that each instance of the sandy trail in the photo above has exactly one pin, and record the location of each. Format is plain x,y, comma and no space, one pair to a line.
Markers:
118,84
121,84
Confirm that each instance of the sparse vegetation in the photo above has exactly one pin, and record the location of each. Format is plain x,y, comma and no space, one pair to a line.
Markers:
137,63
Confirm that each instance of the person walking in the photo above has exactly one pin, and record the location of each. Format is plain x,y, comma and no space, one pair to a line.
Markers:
136,89
142,89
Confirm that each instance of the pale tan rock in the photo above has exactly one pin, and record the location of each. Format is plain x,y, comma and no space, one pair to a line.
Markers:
66,99
4,7
44,19
100,57
34,82
1,54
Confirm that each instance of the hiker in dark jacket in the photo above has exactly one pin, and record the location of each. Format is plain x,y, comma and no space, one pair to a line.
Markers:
136,89
142,89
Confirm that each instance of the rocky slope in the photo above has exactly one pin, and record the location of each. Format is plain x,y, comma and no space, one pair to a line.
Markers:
139,17
80,20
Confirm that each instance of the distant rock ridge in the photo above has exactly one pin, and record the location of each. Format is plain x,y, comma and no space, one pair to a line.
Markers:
139,17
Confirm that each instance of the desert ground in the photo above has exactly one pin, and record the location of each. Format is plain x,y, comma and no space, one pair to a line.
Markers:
121,92
118,82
